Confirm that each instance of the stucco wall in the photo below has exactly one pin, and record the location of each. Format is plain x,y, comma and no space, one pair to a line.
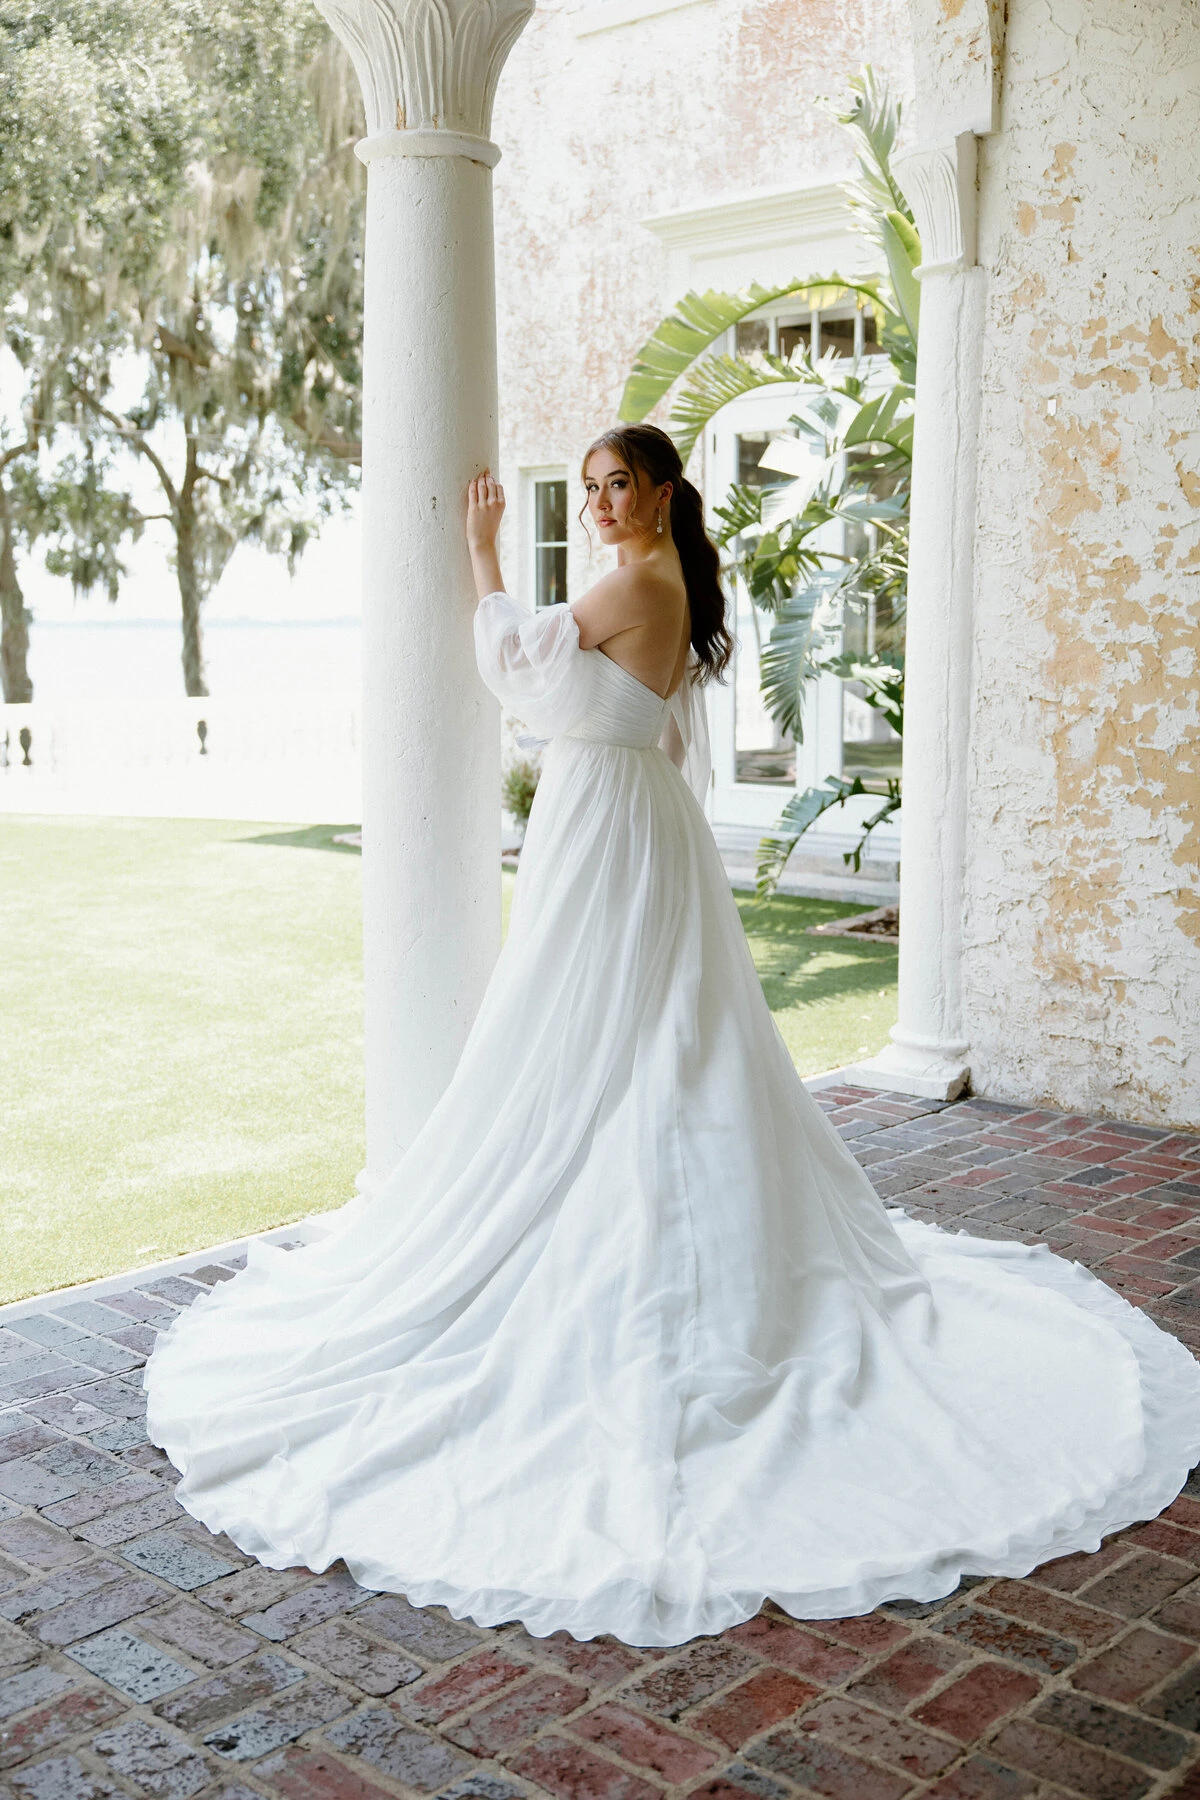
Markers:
600,131
1082,964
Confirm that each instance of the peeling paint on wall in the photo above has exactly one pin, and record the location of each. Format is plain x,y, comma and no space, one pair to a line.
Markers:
1083,904
957,65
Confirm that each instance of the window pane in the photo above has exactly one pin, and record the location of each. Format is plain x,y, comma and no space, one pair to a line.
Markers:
762,753
796,333
550,510
837,335
752,334
871,344
870,747
750,446
551,574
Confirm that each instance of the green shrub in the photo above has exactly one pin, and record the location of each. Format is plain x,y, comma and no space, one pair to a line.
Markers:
518,788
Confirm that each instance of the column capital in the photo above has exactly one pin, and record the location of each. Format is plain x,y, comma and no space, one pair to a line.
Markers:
429,67
939,184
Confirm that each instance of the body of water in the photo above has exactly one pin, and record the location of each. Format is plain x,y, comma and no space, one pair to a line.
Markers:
140,659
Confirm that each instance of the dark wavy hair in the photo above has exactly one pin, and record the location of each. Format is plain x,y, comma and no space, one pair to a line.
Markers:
647,451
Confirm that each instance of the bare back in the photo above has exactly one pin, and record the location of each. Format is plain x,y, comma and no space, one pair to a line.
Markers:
639,617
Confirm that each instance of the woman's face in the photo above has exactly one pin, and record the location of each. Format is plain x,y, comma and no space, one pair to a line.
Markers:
611,502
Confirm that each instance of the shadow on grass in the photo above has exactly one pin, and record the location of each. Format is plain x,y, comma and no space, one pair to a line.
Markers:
785,918
796,969
859,973
312,837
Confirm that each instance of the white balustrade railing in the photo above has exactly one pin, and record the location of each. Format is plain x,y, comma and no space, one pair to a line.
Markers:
297,760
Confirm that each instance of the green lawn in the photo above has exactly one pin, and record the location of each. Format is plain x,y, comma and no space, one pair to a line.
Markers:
181,1038
834,999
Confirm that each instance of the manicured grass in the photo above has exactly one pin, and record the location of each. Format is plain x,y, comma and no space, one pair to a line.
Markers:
182,1043
181,1050
834,999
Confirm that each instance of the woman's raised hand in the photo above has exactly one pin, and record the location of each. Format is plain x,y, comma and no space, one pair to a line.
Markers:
485,509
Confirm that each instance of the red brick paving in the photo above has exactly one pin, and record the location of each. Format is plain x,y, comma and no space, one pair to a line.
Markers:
225,1681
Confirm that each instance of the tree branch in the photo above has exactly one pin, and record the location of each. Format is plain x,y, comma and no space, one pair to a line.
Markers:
170,345
126,429
348,449
24,449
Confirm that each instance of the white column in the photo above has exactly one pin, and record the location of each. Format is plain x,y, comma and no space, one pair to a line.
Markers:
929,1054
431,754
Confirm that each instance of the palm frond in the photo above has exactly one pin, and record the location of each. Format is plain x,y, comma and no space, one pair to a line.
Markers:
871,509
772,567
719,379
881,421
891,806
699,319
741,513
883,682
872,119
902,247
782,505
789,657
803,810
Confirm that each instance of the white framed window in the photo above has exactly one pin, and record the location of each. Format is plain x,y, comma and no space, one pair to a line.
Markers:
870,747
849,330
548,536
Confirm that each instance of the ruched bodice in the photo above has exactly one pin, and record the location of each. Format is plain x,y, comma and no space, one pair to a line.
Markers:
620,708
536,667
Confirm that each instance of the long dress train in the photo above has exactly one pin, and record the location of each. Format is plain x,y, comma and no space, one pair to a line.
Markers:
626,1342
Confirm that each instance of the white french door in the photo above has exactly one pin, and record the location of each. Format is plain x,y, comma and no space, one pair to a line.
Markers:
756,768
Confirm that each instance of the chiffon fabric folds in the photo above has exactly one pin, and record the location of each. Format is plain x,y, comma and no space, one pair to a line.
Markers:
626,1343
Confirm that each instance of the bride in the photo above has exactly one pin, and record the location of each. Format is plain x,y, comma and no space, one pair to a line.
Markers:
626,1342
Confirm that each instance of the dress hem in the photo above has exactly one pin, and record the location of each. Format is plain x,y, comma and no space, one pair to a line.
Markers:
1171,1421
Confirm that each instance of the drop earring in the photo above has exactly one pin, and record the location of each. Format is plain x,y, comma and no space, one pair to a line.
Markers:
658,516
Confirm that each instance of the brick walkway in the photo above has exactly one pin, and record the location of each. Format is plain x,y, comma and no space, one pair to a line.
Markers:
141,1657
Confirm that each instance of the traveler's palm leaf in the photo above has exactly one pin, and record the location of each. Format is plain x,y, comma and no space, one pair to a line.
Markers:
700,319
803,810
791,655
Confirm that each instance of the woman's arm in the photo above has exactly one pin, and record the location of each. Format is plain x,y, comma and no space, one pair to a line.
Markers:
485,509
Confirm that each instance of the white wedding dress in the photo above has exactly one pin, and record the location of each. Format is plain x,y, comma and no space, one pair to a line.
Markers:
626,1343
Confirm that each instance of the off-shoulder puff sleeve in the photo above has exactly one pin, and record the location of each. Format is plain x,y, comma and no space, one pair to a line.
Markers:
532,662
